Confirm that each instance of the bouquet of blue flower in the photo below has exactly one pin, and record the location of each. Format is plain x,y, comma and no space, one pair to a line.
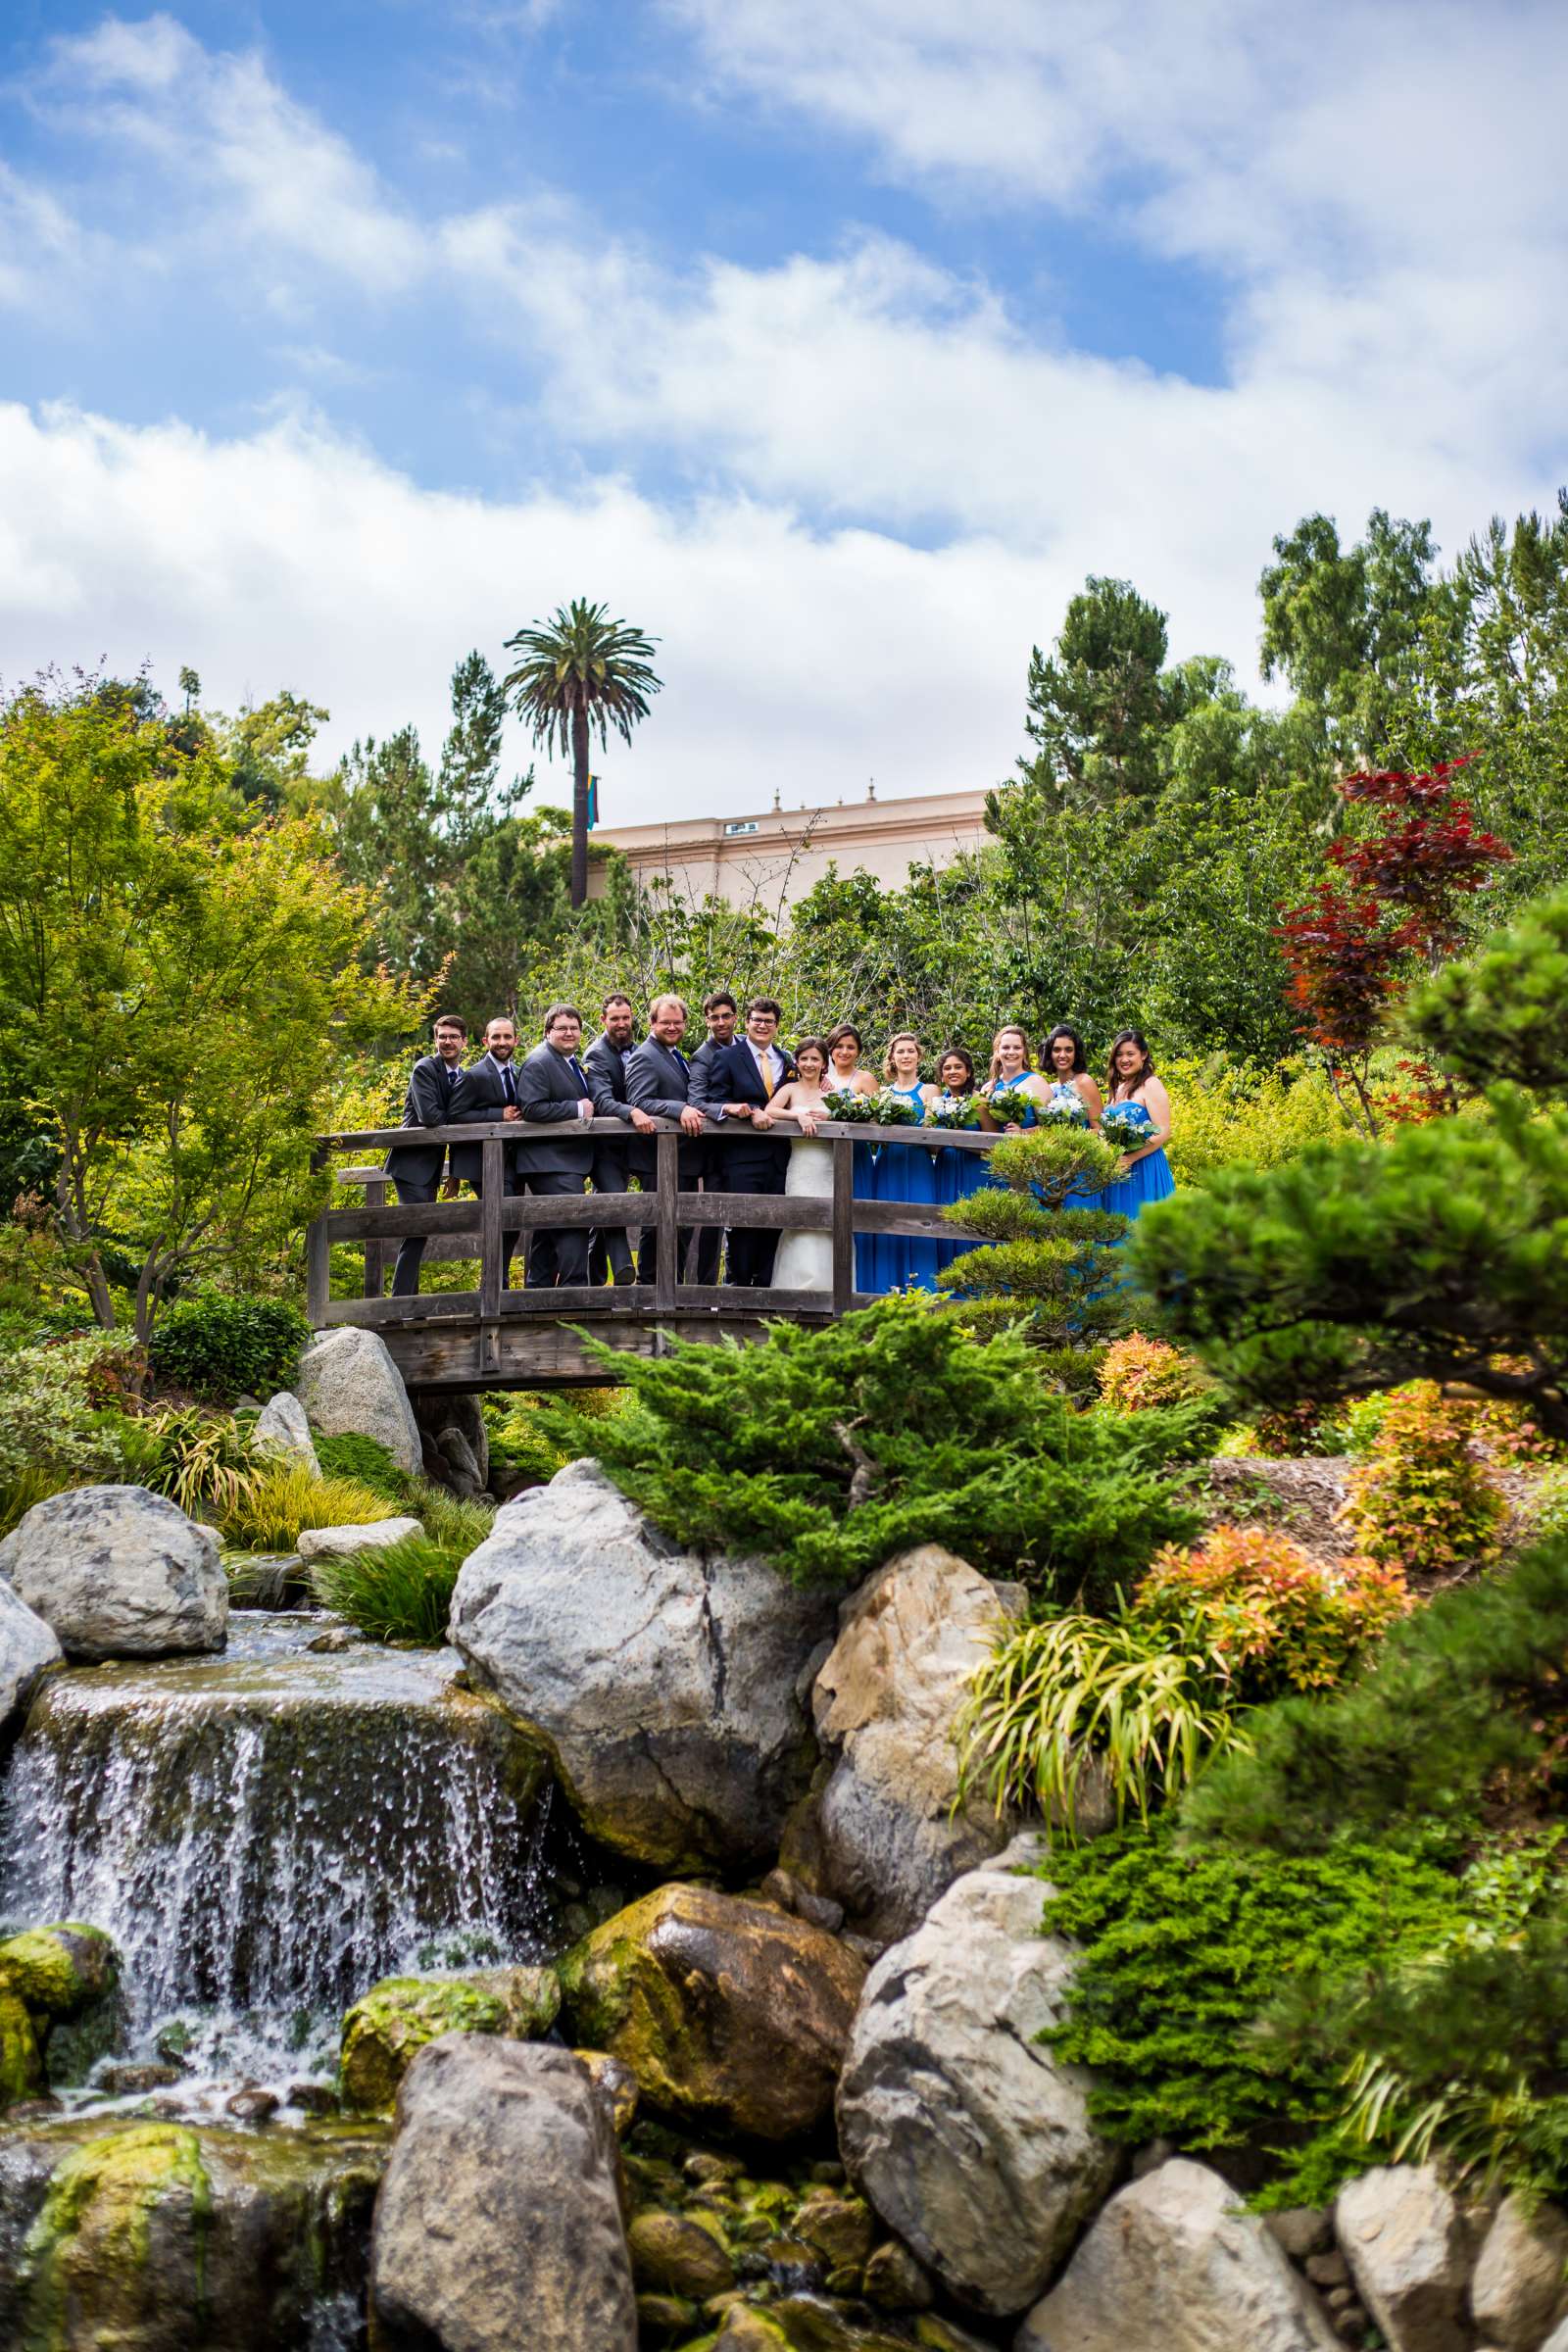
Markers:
1059,1112
1125,1127
1010,1105
891,1109
953,1110
848,1104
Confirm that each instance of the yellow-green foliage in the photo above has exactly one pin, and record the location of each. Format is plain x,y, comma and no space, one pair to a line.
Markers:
1223,1110
1135,1373
18,1494
534,1433
283,1497
1424,1499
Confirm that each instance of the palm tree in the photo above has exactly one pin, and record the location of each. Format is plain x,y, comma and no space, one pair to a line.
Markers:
580,672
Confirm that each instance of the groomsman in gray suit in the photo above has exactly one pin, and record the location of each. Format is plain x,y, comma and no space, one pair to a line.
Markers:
553,1092
616,1161
416,1170
659,1082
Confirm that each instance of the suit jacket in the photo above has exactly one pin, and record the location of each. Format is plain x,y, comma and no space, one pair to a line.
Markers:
481,1094
734,1077
427,1104
550,1087
701,1075
613,1160
658,1081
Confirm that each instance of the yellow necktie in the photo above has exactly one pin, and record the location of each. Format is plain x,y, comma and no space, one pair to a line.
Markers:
764,1062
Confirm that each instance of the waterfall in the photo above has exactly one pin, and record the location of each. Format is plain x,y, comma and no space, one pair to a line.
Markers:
274,1830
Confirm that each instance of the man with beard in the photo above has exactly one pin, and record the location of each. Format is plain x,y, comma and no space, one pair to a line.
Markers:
615,1162
720,1012
488,1089
658,1084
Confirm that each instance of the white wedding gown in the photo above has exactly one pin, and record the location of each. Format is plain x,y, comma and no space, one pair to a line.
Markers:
805,1260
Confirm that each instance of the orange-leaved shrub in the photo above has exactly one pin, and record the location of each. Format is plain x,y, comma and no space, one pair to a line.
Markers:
1271,1617
1424,1499
1135,1373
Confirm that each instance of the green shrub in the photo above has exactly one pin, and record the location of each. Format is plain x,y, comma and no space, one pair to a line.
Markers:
400,1593
535,1431
1185,1953
203,1461
827,1449
284,1497
365,1459
53,1410
1269,1616
1223,1112
221,1347
18,1494
1463,1698
453,1522
1045,1257
1069,1698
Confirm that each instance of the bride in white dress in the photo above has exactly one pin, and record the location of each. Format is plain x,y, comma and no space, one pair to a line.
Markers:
805,1260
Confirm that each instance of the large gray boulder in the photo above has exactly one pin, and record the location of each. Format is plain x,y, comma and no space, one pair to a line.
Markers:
498,2224
1404,2238
969,2137
349,1386
1173,2261
27,1647
666,1686
886,1833
1518,2291
283,1430
119,1572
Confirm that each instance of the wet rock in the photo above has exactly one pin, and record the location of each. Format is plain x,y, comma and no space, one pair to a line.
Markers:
349,1385
971,2140
26,1648
1302,2231
343,1543
283,1430
812,2324
252,2104
135,2081
60,1970
895,2280
1405,2239
498,2224
1173,2261
136,2234
312,2098
790,1895
885,1832
441,1418
1517,2294
730,2015
837,2228
664,2317
335,1639
394,2021
747,2329
672,2255
664,1682
119,1572
616,2084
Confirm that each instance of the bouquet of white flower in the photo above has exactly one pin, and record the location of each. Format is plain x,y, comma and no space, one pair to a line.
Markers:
1059,1112
894,1110
848,1104
1010,1105
953,1110
1125,1126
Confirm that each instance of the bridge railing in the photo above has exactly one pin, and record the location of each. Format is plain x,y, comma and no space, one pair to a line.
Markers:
468,1228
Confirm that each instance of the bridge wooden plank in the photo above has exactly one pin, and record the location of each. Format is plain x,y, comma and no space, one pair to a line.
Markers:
937,1139
780,1212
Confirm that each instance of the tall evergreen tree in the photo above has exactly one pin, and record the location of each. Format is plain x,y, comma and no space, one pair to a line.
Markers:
1098,704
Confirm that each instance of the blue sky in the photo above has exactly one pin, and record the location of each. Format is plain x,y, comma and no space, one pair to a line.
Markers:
834,342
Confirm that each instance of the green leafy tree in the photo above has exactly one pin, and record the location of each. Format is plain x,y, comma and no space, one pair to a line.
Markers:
1343,624
178,990
579,672
1042,1267
1098,704
1503,1015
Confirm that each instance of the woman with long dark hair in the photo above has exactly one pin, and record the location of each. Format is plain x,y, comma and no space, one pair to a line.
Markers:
958,1173
904,1172
1134,1090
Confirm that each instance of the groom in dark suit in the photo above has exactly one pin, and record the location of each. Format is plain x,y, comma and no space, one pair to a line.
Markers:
743,1078
416,1169
553,1092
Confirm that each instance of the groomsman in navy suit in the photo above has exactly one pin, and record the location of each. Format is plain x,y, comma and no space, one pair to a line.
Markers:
615,1162
487,1089
743,1078
658,1082
416,1170
553,1092
721,1013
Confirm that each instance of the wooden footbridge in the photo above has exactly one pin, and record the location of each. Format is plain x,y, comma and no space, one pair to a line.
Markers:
496,1338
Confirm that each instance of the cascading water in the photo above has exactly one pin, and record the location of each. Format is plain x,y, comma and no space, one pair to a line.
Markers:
266,1834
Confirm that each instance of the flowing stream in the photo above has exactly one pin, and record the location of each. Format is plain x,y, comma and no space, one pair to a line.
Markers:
265,1835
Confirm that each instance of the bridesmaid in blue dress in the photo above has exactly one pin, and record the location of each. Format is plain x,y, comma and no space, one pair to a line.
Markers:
904,1172
845,1046
1011,1072
958,1173
1069,1083
1146,1173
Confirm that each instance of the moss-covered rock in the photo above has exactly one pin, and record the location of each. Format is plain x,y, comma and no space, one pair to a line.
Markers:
20,2062
118,2214
730,2014
59,1971
672,2254
616,2084
838,2227
384,2030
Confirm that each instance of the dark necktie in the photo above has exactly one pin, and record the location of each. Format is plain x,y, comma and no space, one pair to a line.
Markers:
575,1067
682,1059
509,1084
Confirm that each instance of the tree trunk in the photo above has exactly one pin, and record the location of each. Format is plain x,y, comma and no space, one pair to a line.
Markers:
579,805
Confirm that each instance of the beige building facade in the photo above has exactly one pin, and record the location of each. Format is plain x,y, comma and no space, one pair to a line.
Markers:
768,861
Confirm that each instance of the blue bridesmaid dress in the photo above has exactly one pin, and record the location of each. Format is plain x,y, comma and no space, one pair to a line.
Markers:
862,1184
904,1172
958,1174
1063,1091
1149,1179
